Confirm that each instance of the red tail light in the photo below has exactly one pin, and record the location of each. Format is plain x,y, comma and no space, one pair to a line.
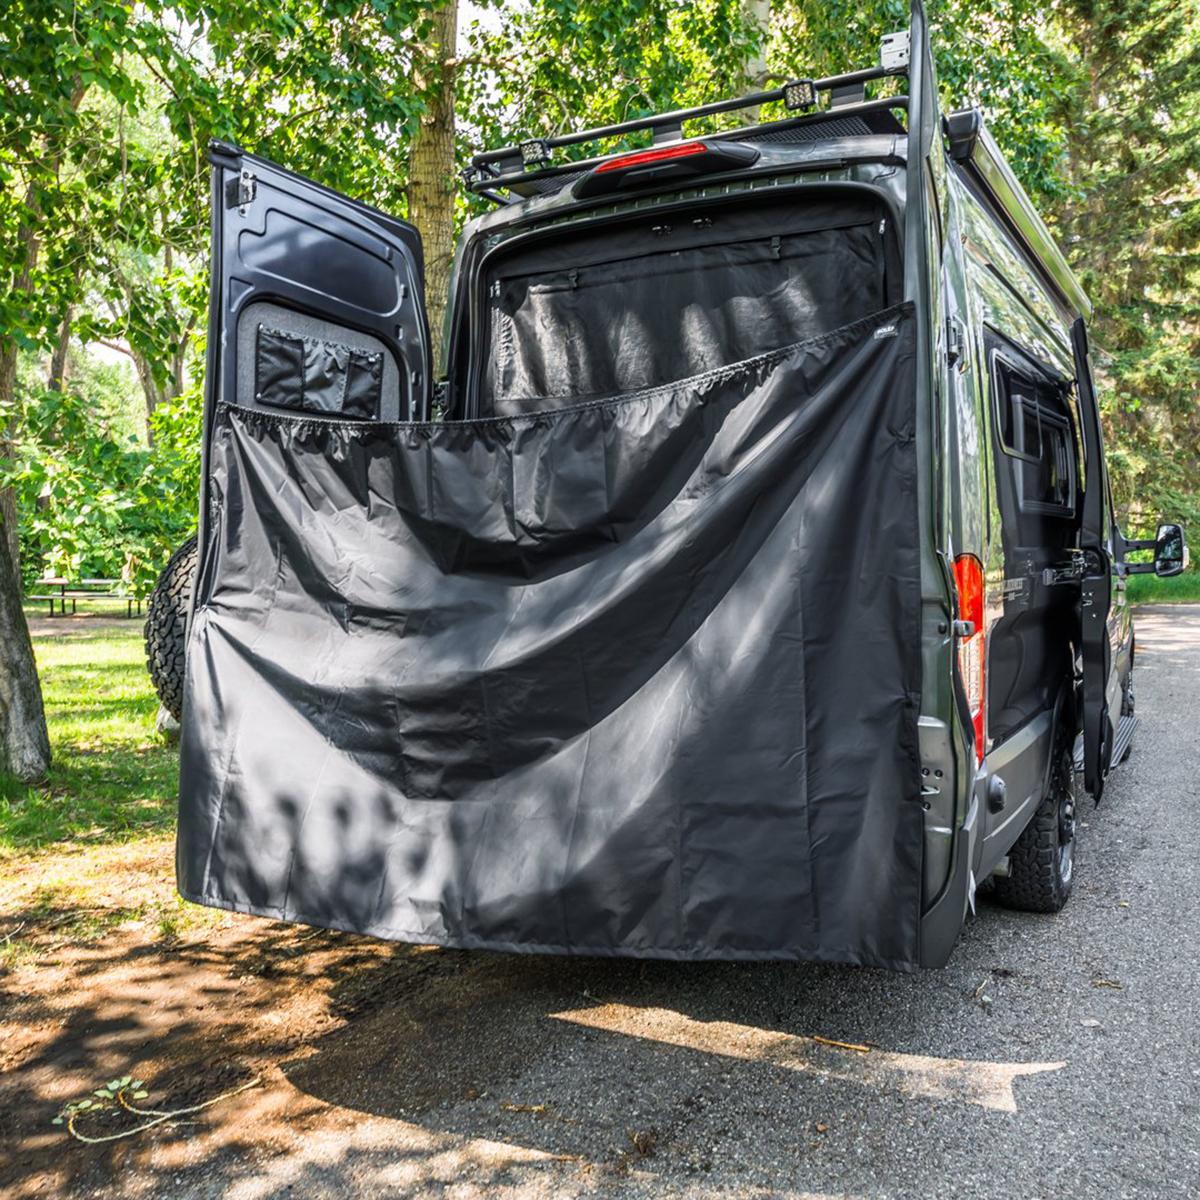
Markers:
661,154
673,161
968,578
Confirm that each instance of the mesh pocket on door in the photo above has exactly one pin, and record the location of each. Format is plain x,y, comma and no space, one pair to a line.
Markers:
292,371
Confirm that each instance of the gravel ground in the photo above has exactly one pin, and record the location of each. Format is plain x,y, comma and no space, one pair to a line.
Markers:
1053,1055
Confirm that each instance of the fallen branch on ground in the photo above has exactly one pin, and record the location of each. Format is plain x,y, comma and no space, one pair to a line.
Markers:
159,1116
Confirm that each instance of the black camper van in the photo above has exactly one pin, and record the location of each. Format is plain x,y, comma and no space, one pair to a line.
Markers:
744,584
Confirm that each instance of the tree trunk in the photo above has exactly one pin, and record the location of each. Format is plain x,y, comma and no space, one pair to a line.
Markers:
27,242
56,376
9,530
431,181
150,390
24,744
757,15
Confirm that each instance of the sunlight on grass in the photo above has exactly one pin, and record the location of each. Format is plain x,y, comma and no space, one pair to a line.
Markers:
1178,589
113,777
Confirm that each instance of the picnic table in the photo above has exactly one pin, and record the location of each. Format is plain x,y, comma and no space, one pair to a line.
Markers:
57,589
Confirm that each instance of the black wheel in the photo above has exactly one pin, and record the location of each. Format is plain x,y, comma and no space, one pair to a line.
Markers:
166,626
1041,866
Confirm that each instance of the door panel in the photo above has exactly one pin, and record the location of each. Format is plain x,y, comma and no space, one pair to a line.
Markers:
1095,540
1034,451
318,300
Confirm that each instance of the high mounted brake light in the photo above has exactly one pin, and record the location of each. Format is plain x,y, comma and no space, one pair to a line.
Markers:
668,162
659,154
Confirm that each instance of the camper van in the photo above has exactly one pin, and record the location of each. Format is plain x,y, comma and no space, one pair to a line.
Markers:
744,583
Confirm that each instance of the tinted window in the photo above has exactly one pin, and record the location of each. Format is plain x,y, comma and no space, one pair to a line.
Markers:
1035,429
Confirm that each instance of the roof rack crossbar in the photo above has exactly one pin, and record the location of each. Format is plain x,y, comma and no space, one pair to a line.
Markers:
497,175
664,121
846,94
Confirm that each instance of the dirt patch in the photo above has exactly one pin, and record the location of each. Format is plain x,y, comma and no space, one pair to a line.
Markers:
107,989
377,1069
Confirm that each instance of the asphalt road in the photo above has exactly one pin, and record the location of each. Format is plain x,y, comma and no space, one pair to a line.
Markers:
1053,1056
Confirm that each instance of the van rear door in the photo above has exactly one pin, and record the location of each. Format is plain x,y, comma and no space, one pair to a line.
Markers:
318,301
1095,541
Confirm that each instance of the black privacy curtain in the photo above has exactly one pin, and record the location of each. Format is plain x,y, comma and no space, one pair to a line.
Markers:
634,677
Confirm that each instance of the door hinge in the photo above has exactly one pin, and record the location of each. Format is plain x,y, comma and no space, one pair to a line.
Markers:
1069,572
240,192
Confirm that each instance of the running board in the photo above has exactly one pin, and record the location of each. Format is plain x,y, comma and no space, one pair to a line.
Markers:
1125,731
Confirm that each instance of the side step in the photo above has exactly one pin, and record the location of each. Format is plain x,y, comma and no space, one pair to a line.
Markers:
1125,731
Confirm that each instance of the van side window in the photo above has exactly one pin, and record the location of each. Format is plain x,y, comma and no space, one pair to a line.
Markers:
1035,430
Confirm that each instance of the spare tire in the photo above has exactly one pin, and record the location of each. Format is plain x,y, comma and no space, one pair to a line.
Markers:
166,626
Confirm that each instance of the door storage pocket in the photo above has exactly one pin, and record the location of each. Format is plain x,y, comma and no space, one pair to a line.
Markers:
293,371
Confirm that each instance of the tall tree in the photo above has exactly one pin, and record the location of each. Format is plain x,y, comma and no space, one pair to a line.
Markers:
45,69
1131,223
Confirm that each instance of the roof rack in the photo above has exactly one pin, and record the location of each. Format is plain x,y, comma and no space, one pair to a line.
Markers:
511,165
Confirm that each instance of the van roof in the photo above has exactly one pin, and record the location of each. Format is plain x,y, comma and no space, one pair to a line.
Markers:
527,170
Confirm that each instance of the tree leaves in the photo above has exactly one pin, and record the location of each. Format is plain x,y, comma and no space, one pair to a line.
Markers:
1131,222
109,107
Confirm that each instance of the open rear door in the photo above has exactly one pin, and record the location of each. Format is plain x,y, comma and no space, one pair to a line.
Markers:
1096,592
317,301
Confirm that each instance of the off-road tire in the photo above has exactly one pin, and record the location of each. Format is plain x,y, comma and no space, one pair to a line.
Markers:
1038,879
166,626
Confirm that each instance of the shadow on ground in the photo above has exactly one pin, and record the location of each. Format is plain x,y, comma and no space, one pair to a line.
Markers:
403,1065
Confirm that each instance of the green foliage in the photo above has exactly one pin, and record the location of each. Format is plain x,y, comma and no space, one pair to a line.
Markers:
555,65
109,107
97,502
1176,589
108,112
1131,223
75,488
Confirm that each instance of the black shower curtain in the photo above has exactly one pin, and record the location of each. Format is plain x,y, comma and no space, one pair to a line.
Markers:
639,676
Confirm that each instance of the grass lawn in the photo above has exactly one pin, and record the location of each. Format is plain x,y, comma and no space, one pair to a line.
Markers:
113,777
1179,589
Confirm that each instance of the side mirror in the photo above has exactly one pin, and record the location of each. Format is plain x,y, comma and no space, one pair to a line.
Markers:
1170,551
